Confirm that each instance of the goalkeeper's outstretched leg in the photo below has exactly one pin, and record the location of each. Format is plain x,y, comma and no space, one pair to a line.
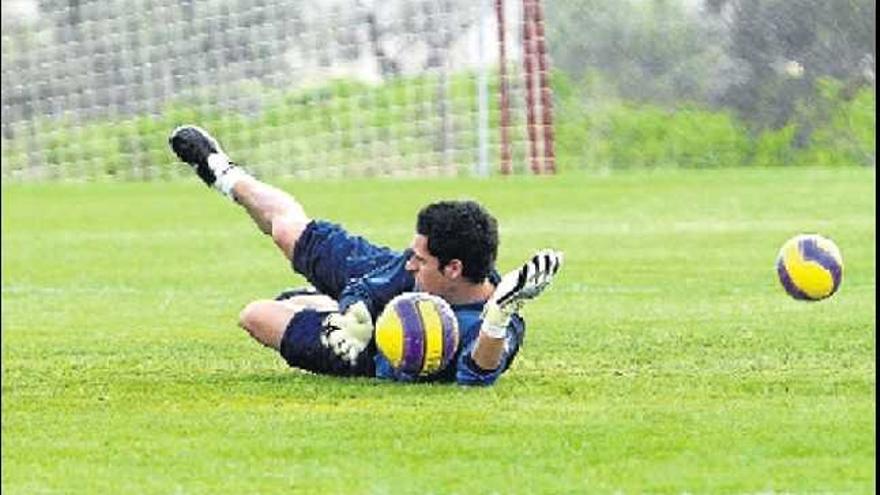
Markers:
305,327
275,212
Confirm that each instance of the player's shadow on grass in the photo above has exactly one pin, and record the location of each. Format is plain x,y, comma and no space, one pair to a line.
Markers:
295,382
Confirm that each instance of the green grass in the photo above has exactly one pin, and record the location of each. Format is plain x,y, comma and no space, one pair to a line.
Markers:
666,358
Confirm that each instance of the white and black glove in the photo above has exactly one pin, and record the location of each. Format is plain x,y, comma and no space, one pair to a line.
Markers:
517,287
348,334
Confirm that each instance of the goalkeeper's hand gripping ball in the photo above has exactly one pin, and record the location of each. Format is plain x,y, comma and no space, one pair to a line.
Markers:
348,334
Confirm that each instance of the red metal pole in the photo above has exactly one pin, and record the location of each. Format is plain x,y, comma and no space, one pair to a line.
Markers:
529,66
505,96
546,90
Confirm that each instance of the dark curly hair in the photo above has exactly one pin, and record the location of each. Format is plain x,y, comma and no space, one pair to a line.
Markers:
461,230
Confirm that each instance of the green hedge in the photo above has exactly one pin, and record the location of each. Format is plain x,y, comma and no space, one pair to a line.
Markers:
625,135
619,134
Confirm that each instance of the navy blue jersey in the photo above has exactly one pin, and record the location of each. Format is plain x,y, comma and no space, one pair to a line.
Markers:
350,269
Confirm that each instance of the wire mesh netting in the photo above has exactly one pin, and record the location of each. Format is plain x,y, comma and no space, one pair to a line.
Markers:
91,89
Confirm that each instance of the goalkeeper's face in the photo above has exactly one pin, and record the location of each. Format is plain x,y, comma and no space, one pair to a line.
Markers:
425,268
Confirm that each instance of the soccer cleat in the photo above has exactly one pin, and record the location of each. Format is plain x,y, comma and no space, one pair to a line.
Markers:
298,291
195,146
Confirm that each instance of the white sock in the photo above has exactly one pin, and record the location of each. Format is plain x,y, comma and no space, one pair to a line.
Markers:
227,173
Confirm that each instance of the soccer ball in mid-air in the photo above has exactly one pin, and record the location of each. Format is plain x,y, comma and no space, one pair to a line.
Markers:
810,267
417,333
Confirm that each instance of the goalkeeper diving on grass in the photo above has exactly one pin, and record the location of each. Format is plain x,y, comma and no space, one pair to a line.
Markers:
328,327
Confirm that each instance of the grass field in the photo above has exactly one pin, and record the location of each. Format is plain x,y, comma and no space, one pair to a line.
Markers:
666,358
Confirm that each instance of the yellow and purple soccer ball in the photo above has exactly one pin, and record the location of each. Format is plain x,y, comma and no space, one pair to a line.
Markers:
417,333
810,267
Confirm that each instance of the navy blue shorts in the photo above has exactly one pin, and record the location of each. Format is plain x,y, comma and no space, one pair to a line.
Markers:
328,257
301,347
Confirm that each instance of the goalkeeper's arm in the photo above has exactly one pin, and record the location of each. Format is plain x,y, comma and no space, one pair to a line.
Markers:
515,288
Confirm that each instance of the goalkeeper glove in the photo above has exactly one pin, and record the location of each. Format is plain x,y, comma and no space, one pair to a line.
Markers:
517,287
347,334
